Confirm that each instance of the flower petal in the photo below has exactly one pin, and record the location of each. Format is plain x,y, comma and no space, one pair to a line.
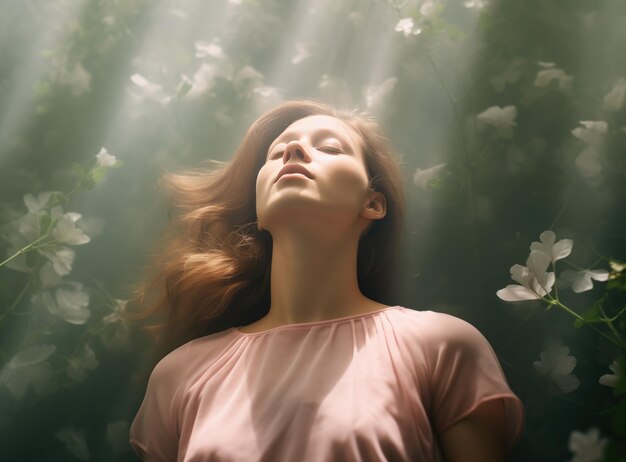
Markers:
562,249
598,274
515,293
579,280
566,383
537,263
32,355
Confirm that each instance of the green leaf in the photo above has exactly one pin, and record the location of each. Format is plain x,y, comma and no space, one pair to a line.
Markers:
97,174
615,452
618,420
44,223
78,170
183,89
593,315
618,282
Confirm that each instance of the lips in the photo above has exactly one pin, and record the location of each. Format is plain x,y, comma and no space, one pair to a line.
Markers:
293,168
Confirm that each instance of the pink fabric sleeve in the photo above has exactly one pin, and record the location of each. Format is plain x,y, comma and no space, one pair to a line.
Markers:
155,427
465,373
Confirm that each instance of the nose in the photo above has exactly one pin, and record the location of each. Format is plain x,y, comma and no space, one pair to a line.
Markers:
295,148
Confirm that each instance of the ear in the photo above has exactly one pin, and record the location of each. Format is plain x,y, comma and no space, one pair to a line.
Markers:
376,206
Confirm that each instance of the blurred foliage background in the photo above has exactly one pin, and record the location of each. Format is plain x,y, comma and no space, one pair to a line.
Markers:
510,119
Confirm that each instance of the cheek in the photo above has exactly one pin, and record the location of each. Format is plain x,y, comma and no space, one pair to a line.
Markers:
262,179
348,178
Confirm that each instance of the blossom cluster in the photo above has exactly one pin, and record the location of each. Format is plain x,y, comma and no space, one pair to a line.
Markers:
50,232
535,282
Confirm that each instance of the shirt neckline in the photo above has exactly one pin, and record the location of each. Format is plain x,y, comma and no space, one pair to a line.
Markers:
238,331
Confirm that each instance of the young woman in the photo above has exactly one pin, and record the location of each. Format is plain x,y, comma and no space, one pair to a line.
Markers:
277,346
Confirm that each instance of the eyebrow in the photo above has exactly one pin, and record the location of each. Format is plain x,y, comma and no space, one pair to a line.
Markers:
322,131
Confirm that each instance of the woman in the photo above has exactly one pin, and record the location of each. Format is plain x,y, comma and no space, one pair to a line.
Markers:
282,350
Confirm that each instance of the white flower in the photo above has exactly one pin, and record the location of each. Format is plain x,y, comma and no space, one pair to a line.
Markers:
115,316
29,226
62,259
593,132
617,266
27,229
148,90
302,53
117,435
535,281
105,159
266,91
478,4
202,81
427,8
614,100
407,27
375,94
28,367
246,80
204,49
48,276
555,251
610,380
550,73
66,232
557,365
581,280
116,335
68,302
421,177
79,365
74,442
587,447
36,204
502,119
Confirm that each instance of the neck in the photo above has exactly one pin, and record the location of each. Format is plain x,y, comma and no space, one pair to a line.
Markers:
314,276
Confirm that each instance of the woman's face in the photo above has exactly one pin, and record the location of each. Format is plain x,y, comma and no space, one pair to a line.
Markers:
336,185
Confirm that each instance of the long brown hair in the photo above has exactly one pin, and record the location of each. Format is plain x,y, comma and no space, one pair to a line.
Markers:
212,268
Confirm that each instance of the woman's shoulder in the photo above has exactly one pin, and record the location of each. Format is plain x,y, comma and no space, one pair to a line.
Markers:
190,355
436,327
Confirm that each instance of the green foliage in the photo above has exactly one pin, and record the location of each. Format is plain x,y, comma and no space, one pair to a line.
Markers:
493,193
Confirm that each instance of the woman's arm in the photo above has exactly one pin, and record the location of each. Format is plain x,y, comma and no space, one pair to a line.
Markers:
480,437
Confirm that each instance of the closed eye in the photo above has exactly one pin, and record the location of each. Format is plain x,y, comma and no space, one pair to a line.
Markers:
330,149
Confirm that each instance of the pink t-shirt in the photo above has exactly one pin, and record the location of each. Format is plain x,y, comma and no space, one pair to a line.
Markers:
369,387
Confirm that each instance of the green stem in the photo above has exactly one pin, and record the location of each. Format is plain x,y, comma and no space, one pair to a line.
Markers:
609,323
569,198
519,325
25,249
36,332
483,155
617,343
579,403
19,297
480,78
467,165
556,290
